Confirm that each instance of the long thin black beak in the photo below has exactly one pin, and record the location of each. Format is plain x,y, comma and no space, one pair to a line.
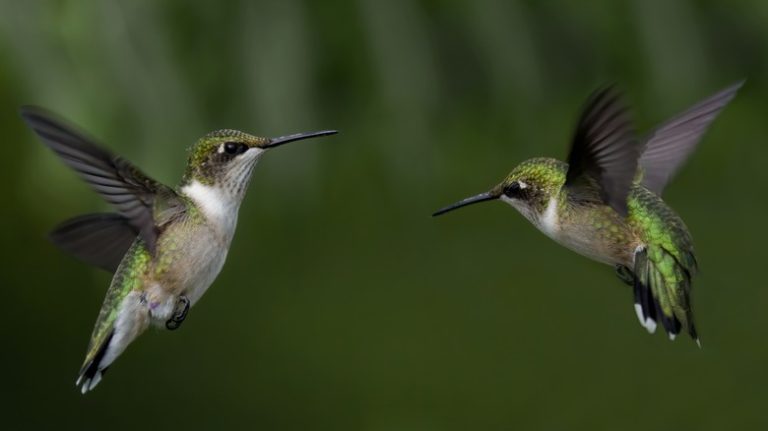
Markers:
274,142
482,197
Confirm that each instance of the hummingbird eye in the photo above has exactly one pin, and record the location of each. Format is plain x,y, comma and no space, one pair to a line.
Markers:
513,190
235,148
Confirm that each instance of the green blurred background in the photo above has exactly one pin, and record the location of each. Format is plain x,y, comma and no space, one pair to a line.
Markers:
343,305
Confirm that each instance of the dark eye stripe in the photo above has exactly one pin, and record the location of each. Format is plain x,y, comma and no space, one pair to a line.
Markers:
512,190
235,148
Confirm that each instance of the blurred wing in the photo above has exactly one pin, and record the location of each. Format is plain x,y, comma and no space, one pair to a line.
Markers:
604,152
133,194
670,144
97,239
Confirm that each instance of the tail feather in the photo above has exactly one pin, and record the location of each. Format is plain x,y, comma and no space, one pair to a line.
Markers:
645,305
112,335
662,285
92,371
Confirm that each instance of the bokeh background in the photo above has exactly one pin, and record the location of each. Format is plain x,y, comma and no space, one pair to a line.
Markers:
343,305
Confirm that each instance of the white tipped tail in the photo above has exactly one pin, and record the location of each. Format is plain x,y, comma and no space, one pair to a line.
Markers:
649,324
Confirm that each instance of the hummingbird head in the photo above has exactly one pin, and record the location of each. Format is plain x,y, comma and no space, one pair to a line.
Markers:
528,188
220,167
224,159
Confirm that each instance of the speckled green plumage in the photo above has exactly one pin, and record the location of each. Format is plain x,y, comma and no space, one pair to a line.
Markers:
165,246
127,279
668,263
137,267
649,220
546,173
605,202
138,262
594,229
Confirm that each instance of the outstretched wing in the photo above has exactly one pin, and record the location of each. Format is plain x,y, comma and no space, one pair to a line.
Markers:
97,239
668,146
135,196
604,152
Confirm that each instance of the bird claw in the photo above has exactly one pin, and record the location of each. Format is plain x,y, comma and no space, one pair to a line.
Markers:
625,274
179,314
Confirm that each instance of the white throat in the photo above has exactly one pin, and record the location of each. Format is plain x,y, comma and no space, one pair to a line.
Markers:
548,221
220,202
217,204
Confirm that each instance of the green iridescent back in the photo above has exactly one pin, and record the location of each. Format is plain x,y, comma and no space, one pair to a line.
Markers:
652,240
127,278
658,223
133,269
650,218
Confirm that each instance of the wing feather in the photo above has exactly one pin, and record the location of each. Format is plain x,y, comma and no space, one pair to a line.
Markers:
130,191
604,151
97,239
670,144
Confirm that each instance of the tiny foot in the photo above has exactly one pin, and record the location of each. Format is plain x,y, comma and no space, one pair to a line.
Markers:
625,275
179,314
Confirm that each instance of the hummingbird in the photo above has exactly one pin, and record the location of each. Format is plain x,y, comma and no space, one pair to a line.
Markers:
164,245
605,203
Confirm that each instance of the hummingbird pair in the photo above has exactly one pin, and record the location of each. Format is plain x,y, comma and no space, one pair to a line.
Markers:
167,245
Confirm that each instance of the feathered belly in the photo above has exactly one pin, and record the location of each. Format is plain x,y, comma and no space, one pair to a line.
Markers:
197,267
188,264
596,233
593,247
202,275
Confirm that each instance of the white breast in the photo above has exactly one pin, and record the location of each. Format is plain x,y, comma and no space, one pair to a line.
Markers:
220,209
